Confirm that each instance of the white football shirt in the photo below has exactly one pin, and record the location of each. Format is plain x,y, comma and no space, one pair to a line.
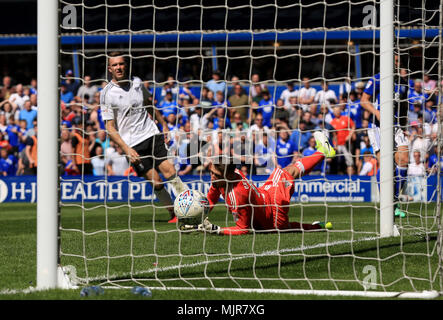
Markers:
125,106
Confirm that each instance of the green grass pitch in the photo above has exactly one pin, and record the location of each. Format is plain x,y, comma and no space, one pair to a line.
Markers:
123,246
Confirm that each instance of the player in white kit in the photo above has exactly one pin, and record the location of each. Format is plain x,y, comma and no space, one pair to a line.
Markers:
130,124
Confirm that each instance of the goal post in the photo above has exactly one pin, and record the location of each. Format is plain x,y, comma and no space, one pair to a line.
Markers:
386,118
48,148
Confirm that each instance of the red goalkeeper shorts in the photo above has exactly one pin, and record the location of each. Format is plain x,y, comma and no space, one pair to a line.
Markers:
278,190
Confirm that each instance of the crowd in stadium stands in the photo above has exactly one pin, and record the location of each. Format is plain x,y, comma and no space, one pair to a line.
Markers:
278,128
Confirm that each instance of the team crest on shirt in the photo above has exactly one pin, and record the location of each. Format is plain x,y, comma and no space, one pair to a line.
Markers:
245,185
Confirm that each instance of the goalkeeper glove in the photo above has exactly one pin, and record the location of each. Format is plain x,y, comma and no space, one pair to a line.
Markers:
207,226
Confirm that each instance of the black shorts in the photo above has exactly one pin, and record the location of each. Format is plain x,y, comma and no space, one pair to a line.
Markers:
152,152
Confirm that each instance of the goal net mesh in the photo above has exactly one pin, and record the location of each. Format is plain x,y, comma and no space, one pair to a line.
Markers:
285,67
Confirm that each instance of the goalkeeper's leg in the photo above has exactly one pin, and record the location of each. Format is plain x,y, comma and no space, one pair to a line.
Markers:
306,164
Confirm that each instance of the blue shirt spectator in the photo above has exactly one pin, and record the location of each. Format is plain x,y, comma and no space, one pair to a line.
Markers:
13,131
284,150
300,137
266,108
65,95
215,84
8,163
168,106
416,96
354,110
28,114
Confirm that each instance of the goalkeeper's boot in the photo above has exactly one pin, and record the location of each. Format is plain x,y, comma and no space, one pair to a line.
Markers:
398,212
323,225
323,145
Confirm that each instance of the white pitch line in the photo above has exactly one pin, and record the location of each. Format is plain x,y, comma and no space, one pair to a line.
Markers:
245,256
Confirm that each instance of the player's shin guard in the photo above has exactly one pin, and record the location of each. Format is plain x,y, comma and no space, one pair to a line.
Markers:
177,183
164,197
306,164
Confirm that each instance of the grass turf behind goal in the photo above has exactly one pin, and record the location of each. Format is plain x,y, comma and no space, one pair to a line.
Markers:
121,247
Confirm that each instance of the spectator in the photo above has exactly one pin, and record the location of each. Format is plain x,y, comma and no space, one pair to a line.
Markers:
300,136
258,126
240,102
306,95
184,165
22,134
281,114
289,92
433,162
238,123
416,167
418,142
266,108
353,108
13,132
8,109
65,95
206,99
242,153
429,86
307,118
196,120
185,92
19,97
234,81
28,114
170,86
310,150
285,150
33,99
344,89
7,90
3,123
3,141
33,86
264,156
80,144
369,167
256,87
345,128
215,84
168,105
325,96
8,163
416,97
30,154
117,163
220,100
87,91
102,139
98,162
66,151
70,83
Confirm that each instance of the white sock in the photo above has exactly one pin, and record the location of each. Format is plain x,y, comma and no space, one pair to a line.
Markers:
177,183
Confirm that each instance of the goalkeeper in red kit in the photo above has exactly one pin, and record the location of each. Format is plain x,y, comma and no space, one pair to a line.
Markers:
266,207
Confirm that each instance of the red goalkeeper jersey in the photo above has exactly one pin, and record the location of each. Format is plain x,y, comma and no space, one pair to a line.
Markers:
254,207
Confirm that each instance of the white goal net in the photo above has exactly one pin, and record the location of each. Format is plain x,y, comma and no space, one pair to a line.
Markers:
254,80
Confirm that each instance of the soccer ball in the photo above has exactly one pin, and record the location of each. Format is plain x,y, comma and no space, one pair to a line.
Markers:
191,207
